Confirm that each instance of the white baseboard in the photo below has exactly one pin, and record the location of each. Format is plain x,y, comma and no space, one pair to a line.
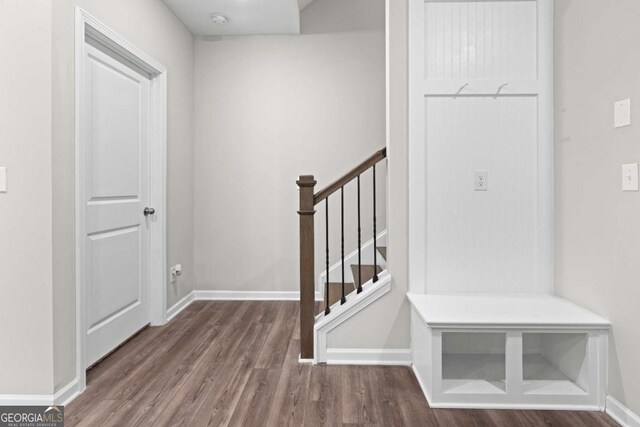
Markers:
66,394
356,356
25,399
621,414
233,296
63,396
249,295
179,306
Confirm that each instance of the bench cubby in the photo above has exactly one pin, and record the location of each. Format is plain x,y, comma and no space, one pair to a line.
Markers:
538,352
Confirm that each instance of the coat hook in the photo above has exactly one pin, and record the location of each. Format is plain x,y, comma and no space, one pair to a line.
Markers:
461,88
502,86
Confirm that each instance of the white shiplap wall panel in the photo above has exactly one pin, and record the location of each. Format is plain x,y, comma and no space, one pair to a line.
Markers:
481,99
481,40
482,242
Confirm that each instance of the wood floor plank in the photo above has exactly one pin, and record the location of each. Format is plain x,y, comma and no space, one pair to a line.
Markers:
159,383
222,363
274,352
125,363
291,394
411,403
324,399
387,403
215,370
256,398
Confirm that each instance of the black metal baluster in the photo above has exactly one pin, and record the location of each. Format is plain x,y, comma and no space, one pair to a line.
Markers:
375,237
344,298
327,310
359,243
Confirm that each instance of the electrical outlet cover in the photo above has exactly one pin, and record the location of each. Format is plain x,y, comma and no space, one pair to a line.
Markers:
622,113
481,181
630,177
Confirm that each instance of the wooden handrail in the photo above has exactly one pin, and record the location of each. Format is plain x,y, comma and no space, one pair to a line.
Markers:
308,201
350,176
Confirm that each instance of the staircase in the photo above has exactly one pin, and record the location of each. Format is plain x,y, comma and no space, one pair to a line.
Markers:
369,271
365,275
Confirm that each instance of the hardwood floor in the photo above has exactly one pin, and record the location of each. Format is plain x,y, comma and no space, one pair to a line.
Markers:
236,363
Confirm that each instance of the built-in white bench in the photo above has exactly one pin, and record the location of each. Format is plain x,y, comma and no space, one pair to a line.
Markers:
533,351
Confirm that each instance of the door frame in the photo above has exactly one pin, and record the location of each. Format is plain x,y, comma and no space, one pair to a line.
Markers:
88,27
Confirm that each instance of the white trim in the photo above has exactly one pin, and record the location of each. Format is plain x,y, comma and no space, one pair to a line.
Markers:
179,306
25,399
64,396
421,383
545,255
341,313
621,414
416,151
516,406
232,296
249,295
366,356
86,24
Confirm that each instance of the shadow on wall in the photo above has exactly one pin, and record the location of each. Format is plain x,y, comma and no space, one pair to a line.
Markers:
338,16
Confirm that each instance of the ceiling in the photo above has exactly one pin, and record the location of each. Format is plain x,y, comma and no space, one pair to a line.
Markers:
244,17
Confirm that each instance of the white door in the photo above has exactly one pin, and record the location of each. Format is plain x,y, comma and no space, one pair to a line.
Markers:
114,169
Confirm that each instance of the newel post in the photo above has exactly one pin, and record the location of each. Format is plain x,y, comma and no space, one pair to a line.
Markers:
306,184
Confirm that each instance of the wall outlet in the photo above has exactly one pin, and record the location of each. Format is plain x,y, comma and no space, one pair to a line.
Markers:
176,271
481,181
622,113
630,177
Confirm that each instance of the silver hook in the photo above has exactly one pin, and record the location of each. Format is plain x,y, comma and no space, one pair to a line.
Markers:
461,88
502,86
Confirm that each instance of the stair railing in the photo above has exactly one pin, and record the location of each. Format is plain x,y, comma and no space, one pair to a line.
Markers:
308,201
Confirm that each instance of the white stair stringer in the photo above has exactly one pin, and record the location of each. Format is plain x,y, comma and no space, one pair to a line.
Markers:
341,312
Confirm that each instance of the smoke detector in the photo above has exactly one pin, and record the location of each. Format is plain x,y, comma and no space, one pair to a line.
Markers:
218,18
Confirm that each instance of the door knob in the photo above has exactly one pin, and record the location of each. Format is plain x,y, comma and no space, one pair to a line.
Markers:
149,211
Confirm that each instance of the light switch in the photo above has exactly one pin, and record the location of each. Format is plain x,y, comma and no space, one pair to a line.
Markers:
622,113
630,177
3,180
481,181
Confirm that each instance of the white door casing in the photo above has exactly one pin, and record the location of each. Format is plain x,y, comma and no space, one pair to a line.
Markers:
115,140
120,254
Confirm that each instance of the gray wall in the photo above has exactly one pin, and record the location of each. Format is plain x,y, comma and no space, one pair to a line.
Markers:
152,27
26,345
270,108
385,323
597,57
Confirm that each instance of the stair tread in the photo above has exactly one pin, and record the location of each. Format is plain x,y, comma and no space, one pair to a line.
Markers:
383,251
368,271
335,293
